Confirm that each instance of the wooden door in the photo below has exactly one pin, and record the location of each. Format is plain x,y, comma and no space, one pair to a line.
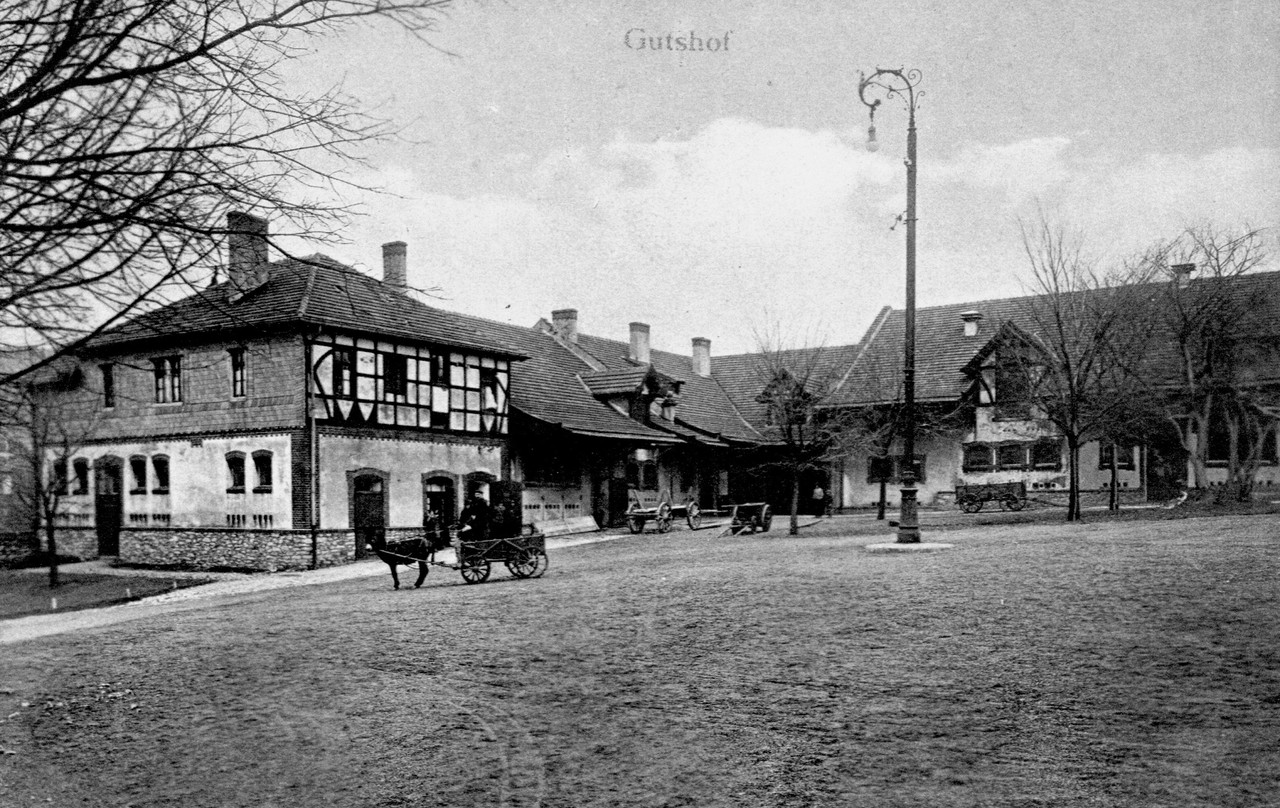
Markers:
369,510
108,504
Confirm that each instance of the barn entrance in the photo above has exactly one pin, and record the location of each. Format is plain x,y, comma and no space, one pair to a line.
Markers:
108,503
369,507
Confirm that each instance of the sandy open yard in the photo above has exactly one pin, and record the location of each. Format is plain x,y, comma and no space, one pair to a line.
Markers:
1126,664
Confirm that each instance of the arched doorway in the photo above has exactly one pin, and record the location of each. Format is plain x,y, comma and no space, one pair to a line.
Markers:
440,497
108,503
369,511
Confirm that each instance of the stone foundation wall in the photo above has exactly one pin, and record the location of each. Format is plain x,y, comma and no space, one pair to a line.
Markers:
15,547
76,542
213,548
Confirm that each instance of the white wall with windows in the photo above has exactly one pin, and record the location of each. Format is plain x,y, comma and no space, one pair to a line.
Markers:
186,483
405,461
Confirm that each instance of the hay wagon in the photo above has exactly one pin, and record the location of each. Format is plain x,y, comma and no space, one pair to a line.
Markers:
1011,496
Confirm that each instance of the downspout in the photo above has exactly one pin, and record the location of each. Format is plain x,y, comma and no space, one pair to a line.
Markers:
313,442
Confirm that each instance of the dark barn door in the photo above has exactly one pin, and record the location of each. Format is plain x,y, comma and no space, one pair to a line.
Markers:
108,504
370,513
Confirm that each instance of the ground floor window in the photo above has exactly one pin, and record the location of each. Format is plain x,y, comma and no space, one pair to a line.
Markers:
642,470
1124,456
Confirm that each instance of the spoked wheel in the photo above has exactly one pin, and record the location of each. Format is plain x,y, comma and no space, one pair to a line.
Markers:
766,519
971,505
474,570
693,515
528,563
1013,503
635,524
664,517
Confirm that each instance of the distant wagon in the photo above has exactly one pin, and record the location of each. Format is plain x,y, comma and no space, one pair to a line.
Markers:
1011,496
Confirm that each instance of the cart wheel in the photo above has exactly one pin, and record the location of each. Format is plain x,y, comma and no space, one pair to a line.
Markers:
635,524
474,570
528,563
766,519
664,517
971,505
1014,504
693,515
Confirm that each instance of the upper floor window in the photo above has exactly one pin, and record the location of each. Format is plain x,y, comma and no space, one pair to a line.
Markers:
108,386
343,362
235,472
80,467
395,375
138,465
160,464
237,372
168,376
262,472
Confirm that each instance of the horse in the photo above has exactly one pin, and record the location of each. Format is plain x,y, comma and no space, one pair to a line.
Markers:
420,551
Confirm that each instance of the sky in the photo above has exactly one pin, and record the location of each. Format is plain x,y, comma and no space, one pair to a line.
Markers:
546,160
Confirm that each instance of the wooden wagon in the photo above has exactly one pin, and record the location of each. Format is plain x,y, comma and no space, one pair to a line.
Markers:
525,555
1011,496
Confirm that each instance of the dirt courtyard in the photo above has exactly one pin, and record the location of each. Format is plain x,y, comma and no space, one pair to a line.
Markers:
1125,664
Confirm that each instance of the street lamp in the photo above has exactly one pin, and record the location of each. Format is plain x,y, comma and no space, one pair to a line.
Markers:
901,84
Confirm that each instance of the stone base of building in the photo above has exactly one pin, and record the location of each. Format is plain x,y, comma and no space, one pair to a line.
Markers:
16,548
236,549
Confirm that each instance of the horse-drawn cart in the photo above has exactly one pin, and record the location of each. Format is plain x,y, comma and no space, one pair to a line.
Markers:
650,507
1011,496
524,555
750,516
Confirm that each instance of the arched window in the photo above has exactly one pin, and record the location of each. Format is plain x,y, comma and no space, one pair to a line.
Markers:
262,472
138,466
160,464
235,472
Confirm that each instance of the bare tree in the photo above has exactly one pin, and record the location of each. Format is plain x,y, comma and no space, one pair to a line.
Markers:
52,428
1077,363
1220,330
128,129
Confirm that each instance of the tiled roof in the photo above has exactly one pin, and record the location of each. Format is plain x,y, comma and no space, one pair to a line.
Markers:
704,405
312,291
745,376
943,351
614,382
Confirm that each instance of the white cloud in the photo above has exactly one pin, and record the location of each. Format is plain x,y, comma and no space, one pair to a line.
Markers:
699,237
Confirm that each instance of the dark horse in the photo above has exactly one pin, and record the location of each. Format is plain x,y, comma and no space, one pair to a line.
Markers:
411,551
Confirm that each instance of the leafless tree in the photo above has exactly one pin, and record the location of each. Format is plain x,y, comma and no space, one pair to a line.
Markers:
1078,362
129,128
50,429
1219,331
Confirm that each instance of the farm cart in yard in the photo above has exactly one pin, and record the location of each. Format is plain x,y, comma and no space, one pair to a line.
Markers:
1011,496
651,507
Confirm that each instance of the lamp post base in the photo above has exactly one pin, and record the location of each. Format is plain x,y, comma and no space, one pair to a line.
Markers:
909,523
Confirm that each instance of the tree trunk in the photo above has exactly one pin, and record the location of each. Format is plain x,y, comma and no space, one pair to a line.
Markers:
51,540
1073,480
880,506
1113,501
795,502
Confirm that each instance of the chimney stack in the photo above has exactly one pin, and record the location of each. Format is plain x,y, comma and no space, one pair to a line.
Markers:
246,251
702,356
395,265
1182,273
971,319
566,323
639,343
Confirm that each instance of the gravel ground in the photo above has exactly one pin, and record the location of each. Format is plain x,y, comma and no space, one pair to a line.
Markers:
1128,664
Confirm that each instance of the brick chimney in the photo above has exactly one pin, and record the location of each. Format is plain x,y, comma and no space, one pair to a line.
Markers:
566,323
1182,273
971,319
702,356
395,267
639,343
246,251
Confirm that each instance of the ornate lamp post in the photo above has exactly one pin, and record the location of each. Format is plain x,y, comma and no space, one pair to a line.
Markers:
901,84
